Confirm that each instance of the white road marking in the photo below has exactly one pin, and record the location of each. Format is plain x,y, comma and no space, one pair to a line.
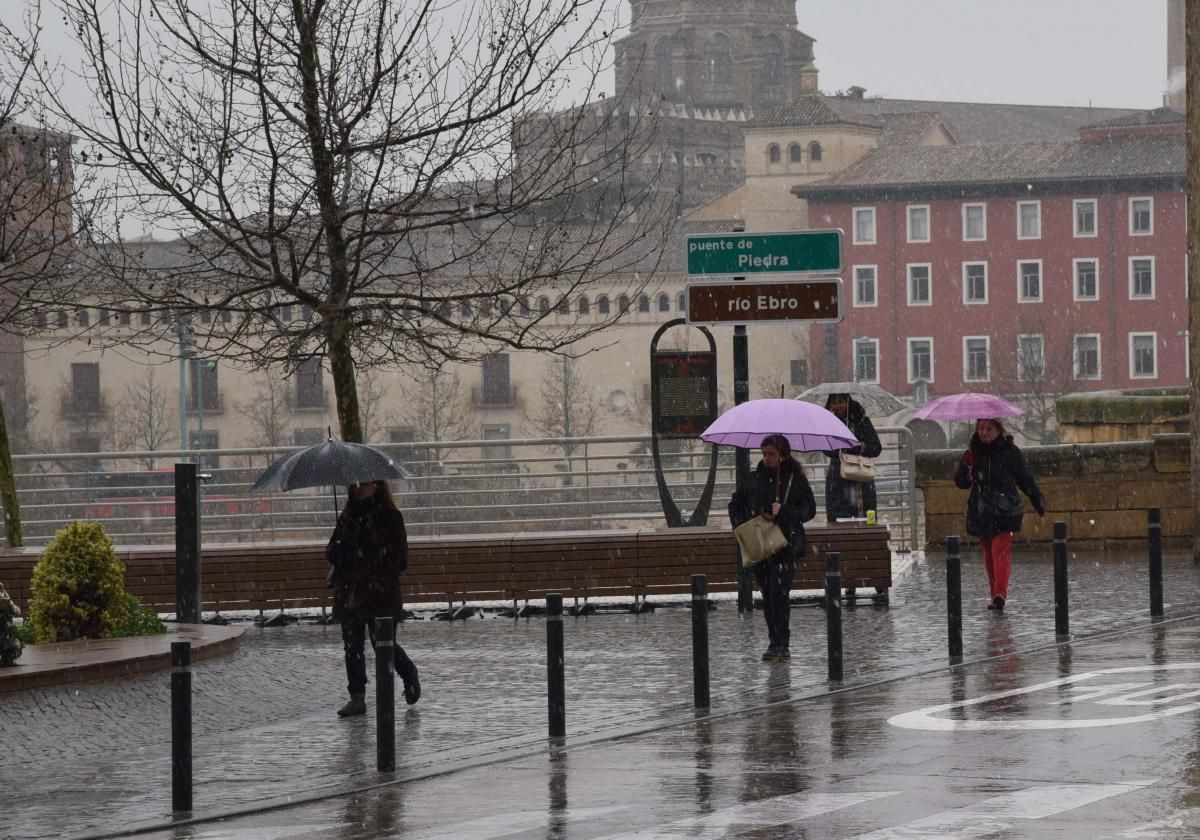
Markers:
992,816
753,816
925,719
268,833
502,825
1184,823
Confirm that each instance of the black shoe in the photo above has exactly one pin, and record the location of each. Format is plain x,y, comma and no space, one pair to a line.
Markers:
783,653
998,602
412,687
771,655
356,706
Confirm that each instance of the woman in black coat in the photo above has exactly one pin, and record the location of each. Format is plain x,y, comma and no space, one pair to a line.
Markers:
992,469
842,497
776,488
368,552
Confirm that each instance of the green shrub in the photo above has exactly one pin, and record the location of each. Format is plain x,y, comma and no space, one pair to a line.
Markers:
24,632
10,641
78,587
141,620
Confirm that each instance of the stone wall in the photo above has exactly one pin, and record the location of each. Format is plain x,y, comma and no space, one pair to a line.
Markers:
1101,491
1131,414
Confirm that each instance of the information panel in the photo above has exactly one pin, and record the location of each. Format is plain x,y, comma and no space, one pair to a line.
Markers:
685,391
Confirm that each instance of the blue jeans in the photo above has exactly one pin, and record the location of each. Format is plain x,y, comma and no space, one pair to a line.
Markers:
354,638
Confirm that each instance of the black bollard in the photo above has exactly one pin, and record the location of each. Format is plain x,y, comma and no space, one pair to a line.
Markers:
700,692
385,695
1062,610
954,597
181,726
187,544
1156,581
556,687
833,614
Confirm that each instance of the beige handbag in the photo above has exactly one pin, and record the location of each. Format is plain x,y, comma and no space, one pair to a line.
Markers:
760,537
857,467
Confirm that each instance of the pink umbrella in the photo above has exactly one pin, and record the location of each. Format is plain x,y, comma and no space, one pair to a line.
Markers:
967,407
807,426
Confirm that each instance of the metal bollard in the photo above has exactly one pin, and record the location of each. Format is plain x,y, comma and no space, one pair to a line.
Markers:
1156,562
954,597
833,614
181,726
556,688
1062,608
700,687
385,695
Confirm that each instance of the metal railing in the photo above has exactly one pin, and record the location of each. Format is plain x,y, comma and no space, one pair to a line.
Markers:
541,484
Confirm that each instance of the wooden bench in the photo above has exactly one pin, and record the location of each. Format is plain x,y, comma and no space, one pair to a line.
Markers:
495,567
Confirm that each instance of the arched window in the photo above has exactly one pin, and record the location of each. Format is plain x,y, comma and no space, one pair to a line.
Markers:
63,319
543,304
585,306
602,305
464,309
623,304
525,306
664,303
485,307
564,306
814,151
773,154
795,153
681,301
445,308
718,65
664,67
706,159
643,303
773,69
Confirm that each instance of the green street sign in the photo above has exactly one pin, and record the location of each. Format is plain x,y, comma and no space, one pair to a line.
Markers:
726,254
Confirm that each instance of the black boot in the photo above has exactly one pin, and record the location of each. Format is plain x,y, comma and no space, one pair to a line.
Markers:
356,706
412,686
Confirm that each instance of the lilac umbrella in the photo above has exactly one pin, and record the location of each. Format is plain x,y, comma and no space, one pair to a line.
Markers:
808,427
967,407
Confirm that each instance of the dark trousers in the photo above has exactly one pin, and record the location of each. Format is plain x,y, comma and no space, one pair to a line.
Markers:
774,579
354,638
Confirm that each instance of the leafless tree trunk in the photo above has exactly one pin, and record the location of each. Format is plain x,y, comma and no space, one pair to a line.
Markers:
436,409
567,409
267,412
1192,76
144,418
409,174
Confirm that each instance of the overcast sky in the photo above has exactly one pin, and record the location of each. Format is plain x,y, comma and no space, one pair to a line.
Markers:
1045,52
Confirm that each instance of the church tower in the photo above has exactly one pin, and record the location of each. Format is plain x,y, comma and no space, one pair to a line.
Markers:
739,55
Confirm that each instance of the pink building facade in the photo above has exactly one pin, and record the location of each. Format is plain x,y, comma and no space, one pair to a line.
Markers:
1058,267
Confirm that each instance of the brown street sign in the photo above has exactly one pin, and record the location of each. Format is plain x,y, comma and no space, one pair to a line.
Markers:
744,303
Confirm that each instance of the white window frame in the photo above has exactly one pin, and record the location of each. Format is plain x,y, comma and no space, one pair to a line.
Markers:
986,284
878,361
909,358
983,208
1147,198
928,279
854,225
908,214
1021,285
1153,279
1021,367
1095,218
1153,336
966,365
1075,278
1075,357
854,280
1038,205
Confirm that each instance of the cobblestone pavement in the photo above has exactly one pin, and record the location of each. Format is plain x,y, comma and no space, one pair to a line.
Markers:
95,758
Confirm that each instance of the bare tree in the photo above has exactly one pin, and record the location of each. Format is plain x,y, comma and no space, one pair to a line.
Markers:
267,411
370,395
144,418
1036,372
568,407
435,409
410,174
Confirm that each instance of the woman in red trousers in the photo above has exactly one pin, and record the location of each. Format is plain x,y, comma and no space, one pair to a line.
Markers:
993,469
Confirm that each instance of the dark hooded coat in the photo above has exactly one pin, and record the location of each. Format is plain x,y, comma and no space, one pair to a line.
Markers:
841,500
368,552
998,470
757,492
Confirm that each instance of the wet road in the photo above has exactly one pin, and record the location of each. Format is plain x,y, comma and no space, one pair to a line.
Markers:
1093,740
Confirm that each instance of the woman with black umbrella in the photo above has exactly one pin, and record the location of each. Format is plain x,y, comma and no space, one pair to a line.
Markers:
368,552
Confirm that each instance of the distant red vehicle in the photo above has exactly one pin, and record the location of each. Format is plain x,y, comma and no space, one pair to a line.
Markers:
145,496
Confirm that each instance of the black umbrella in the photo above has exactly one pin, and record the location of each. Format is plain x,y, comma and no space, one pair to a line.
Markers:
330,463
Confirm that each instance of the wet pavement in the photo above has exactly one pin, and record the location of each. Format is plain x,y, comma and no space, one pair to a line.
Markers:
780,756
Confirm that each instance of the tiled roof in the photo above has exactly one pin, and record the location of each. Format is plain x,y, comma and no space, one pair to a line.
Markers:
907,166
1158,116
809,111
908,129
981,122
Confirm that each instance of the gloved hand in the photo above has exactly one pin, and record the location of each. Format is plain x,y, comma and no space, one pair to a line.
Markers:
968,458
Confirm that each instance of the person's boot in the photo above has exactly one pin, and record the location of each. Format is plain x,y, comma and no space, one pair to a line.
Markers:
356,706
412,687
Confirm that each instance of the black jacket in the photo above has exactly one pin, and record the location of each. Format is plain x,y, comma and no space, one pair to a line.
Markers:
993,479
840,500
368,552
757,493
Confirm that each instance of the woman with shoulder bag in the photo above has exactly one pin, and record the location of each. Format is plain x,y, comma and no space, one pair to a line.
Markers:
368,552
776,489
993,469
845,499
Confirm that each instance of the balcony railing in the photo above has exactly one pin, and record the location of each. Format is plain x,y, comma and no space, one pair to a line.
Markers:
308,400
75,406
494,397
214,404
